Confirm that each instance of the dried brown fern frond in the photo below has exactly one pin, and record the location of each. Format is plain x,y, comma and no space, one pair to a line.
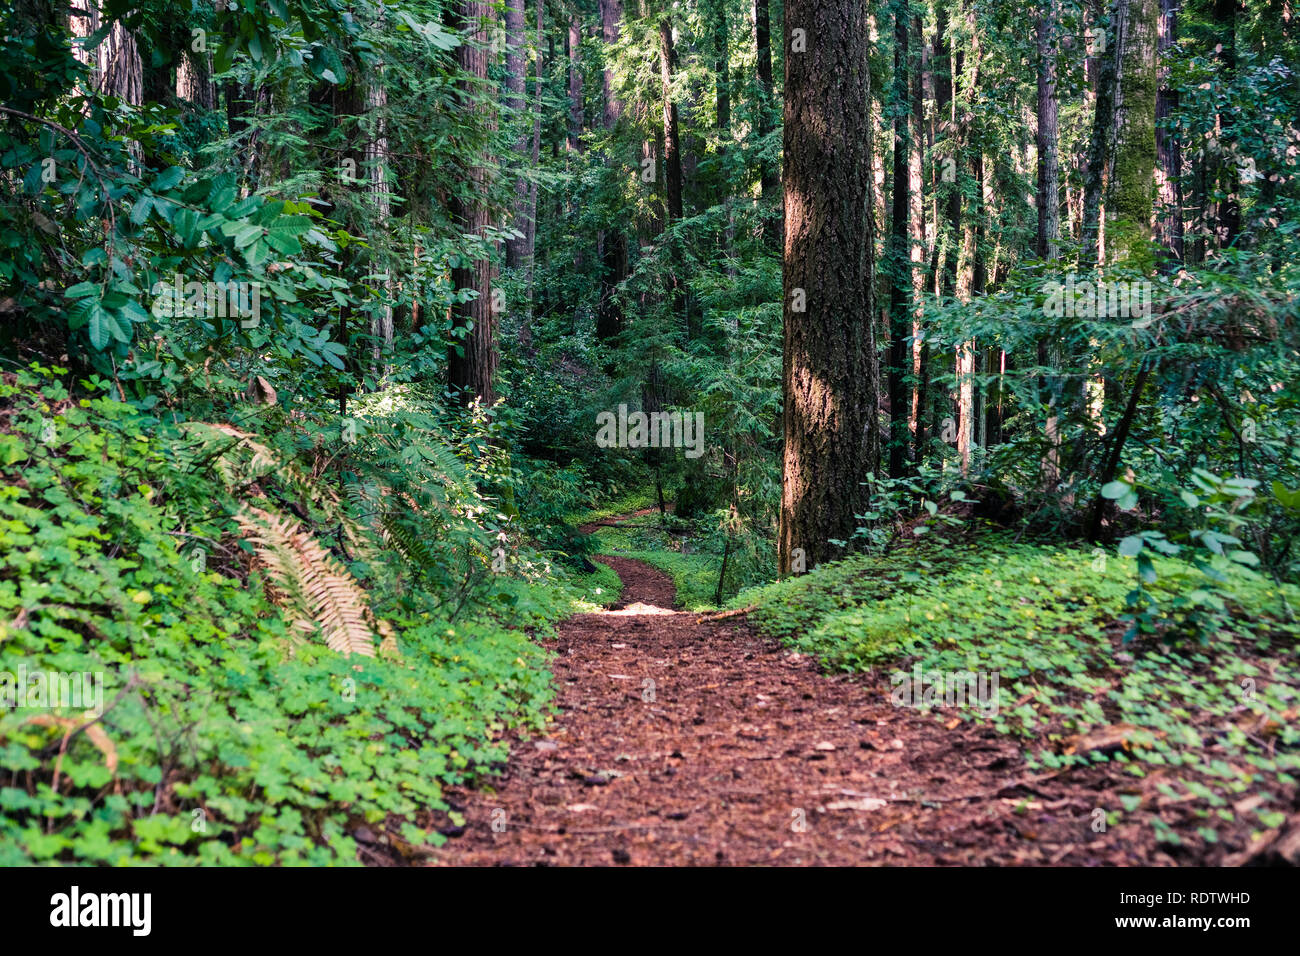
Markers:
310,583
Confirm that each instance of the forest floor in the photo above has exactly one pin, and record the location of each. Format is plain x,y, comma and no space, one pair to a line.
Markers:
689,739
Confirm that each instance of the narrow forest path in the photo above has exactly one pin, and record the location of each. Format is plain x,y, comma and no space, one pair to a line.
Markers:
685,740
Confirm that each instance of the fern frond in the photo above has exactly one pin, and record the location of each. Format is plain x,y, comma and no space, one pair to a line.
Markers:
412,548
309,583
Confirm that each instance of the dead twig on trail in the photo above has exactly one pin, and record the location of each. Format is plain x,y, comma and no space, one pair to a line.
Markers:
723,615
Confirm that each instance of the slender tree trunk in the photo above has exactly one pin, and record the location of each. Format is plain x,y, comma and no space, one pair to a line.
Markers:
900,280
611,19
1228,176
375,167
830,376
673,210
531,218
769,175
573,46
946,108
672,140
1169,159
612,242
1049,176
917,254
472,362
516,86
721,66
971,266
1049,219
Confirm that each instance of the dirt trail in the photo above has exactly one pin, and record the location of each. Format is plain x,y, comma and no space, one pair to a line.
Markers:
689,741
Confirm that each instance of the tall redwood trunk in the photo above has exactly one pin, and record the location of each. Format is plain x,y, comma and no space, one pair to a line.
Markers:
611,18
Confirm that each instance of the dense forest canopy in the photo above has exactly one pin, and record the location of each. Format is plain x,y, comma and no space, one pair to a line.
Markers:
325,325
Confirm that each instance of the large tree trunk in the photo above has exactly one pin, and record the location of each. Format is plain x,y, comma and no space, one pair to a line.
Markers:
900,260
121,73
116,68
722,100
471,365
1101,145
830,375
194,80
1128,205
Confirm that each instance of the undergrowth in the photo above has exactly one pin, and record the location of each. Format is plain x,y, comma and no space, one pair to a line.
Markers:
1206,716
228,734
